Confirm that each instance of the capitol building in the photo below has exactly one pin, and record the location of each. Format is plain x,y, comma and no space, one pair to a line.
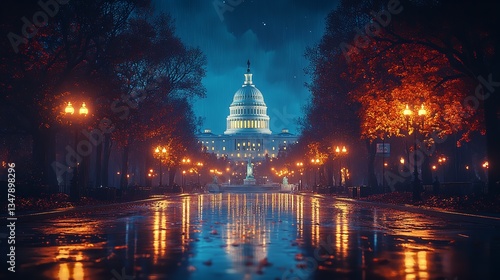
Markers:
248,134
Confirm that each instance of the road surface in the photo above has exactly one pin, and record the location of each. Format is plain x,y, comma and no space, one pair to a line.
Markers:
254,236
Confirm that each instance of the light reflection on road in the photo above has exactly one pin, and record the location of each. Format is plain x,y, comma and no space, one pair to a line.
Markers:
255,236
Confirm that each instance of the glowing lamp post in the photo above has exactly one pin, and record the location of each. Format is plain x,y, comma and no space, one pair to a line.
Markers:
315,161
161,153
486,165
69,111
340,153
416,181
441,161
183,183
300,165
187,162
200,166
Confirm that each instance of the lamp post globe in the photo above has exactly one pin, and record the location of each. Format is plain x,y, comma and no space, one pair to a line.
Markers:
69,111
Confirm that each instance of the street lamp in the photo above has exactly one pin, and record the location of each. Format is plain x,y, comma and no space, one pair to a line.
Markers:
315,161
441,161
300,165
416,181
185,161
200,166
340,152
183,179
69,111
161,153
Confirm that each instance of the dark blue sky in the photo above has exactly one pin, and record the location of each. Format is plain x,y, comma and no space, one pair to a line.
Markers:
272,34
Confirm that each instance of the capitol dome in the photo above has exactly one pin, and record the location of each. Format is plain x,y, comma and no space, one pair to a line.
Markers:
248,111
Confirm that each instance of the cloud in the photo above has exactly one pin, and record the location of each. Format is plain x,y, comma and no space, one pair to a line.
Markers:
272,34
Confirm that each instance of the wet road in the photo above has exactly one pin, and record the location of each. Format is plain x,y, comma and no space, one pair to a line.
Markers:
254,236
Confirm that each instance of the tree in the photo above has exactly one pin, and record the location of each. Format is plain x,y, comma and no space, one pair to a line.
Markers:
467,43
383,74
157,82
44,64
129,69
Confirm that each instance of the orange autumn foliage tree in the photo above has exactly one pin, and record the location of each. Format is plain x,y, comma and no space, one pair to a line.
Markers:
387,81
423,56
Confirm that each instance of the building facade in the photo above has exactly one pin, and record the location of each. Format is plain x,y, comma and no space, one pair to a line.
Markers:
248,134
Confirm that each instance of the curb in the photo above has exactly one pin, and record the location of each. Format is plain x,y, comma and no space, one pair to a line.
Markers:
427,210
469,217
93,207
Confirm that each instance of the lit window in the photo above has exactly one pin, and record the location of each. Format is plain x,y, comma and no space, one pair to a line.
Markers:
238,155
273,148
223,148
273,155
213,148
212,141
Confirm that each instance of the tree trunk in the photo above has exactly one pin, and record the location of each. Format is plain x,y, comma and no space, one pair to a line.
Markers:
492,115
98,166
329,172
105,159
50,158
171,175
321,175
124,171
426,171
372,179
43,156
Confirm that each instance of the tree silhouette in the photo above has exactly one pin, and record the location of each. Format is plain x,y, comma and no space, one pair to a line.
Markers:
436,53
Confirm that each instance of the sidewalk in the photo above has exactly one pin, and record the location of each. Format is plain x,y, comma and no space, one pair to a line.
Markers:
98,205
433,211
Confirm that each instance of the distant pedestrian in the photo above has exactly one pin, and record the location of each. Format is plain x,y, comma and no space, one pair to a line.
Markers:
436,185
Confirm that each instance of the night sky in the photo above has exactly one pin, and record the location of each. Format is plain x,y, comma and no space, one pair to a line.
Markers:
272,34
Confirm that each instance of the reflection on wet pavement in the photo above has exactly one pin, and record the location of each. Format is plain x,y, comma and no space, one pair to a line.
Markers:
255,236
